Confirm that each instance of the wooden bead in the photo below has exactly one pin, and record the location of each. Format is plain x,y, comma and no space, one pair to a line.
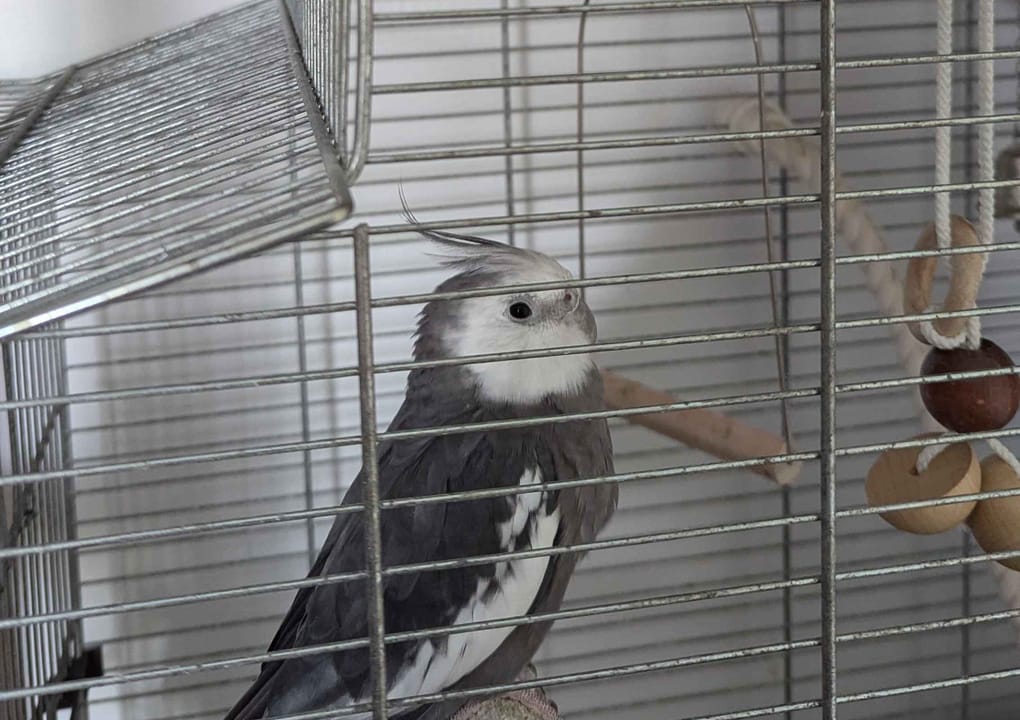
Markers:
996,523
894,479
977,404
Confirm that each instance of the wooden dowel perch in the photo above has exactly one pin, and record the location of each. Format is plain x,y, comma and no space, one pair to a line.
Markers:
529,704
708,430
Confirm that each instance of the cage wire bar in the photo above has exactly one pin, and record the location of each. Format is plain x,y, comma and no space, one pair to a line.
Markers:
808,517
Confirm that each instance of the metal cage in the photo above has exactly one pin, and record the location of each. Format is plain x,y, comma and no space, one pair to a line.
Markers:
174,458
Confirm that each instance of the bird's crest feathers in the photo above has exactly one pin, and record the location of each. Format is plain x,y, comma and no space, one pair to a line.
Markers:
469,252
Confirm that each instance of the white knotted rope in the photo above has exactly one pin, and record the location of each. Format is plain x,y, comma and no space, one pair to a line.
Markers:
971,336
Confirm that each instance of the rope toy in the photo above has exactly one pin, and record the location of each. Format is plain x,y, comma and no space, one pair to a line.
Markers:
906,475
801,158
972,405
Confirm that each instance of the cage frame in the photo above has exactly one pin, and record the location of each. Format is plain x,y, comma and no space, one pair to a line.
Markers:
829,325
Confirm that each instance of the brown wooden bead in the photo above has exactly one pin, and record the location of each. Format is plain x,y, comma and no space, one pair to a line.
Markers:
996,523
976,404
894,479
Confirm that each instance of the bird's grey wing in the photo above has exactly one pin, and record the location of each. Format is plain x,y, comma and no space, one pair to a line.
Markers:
585,511
394,461
255,700
431,531
336,612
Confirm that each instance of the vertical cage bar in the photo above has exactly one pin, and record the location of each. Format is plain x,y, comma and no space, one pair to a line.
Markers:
33,564
1016,126
343,93
581,205
306,431
303,397
828,356
55,509
786,500
508,120
15,639
370,465
75,639
363,91
969,159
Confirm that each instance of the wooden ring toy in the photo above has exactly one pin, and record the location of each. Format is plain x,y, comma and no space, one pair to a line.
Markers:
893,478
995,523
964,283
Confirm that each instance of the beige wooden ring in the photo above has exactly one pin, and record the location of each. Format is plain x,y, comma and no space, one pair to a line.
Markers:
894,479
996,522
964,281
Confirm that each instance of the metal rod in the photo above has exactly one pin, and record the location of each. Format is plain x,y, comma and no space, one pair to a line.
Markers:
676,208
364,90
560,10
508,124
786,502
965,544
827,370
303,398
581,254
338,180
370,470
11,142
686,73
678,140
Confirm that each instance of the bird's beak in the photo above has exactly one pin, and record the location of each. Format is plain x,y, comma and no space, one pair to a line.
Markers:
585,320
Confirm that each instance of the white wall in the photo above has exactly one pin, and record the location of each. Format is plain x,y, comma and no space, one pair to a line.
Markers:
40,36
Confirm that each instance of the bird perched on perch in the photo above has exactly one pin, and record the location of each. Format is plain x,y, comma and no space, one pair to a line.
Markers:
479,459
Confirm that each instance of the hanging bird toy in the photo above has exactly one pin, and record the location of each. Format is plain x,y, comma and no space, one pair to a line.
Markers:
965,405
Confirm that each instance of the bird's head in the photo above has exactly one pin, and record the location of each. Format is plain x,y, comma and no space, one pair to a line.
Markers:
525,320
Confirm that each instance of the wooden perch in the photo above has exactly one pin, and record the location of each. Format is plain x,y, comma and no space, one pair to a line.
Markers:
528,704
707,430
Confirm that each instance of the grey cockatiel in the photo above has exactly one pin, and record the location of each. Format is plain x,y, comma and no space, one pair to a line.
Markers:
440,396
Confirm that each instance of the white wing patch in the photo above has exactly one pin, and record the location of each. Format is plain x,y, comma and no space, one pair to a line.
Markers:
519,580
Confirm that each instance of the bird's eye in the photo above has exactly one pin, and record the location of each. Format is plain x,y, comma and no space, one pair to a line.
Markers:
520,311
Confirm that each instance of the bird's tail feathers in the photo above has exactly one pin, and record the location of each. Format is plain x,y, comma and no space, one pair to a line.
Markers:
252,705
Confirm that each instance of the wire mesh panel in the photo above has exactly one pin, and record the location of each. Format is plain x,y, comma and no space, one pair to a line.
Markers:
336,43
35,439
216,421
160,160
15,104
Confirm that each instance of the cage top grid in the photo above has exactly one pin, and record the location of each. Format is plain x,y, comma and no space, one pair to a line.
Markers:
146,165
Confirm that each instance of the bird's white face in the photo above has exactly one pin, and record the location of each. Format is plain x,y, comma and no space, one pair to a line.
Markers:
526,321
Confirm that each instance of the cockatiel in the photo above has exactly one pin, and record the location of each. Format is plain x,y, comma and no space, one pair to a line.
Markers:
453,395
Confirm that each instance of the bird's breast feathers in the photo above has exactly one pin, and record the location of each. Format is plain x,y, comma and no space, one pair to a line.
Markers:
507,594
